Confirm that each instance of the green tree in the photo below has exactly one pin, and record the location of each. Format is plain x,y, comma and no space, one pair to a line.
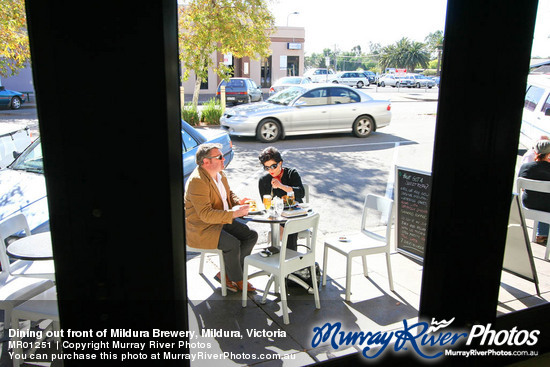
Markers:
435,45
14,42
239,27
404,54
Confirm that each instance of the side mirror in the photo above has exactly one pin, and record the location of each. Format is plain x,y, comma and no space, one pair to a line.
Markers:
547,112
16,154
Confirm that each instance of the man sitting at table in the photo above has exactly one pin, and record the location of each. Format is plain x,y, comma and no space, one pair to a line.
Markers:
211,210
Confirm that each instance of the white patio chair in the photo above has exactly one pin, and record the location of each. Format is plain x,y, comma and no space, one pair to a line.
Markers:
285,262
536,215
41,307
222,264
366,242
304,234
24,268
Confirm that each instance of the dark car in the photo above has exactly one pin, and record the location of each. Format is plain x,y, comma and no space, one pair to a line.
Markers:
371,76
23,188
11,99
240,90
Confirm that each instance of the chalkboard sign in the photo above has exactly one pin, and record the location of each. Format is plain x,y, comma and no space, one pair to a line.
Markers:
412,203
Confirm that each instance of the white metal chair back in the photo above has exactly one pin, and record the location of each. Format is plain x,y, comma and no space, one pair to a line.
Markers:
310,224
306,192
9,227
384,207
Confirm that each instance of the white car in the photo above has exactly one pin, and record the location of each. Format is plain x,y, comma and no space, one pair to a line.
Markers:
393,80
421,81
351,78
309,109
14,139
319,75
536,110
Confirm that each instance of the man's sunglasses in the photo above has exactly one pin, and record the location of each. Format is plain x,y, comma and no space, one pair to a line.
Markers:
218,157
273,166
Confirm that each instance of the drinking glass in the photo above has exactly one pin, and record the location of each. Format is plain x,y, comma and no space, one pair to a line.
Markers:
279,206
267,201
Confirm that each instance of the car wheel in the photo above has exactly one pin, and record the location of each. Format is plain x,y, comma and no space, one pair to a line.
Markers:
396,85
249,100
335,82
360,84
363,126
382,84
268,131
429,87
418,85
15,103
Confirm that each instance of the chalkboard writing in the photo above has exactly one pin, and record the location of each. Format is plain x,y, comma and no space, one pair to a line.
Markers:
412,204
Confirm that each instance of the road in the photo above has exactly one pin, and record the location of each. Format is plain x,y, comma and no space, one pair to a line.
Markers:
340,168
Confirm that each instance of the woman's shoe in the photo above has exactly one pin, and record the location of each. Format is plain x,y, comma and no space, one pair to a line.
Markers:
249,288
541,240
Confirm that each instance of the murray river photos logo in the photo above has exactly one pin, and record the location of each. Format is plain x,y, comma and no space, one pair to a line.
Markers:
420,337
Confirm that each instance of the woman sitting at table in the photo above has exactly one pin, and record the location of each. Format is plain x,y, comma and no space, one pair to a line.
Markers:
538,170
278,181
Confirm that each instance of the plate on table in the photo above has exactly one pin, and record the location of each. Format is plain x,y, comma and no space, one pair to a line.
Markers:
253,212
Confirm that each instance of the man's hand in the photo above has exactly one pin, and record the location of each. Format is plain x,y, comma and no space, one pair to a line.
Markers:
243,201
240,210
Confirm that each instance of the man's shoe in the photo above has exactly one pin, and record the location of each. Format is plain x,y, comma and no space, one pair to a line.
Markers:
231,286
249,288
218,277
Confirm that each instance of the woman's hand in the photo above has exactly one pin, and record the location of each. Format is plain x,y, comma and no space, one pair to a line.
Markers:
278,185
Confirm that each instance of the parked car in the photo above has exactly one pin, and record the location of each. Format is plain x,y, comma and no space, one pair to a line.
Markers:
371,76
436,80
351,78
319,75
23,188
536,110
240,90
309,109
286,82
11,99
422,81
394,80
14,138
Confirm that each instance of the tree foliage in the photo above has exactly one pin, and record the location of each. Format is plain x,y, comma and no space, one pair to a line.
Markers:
404,54
239,27
14,42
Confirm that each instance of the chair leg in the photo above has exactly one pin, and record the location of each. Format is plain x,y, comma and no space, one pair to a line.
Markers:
315,287
201,266
267,287
534,232
245,282
324,276
286,320
365,272
390,275
222,275
348,278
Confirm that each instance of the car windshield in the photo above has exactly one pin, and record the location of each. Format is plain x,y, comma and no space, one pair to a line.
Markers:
289,80
30,160
286,96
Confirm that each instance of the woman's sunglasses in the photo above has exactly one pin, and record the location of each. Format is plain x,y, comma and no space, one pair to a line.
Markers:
273,166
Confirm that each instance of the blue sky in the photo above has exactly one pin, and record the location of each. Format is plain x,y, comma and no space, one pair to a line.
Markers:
346,23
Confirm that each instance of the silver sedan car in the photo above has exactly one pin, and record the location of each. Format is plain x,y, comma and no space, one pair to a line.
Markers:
309,109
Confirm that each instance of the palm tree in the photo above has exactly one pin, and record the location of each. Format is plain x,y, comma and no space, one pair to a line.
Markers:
404,54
